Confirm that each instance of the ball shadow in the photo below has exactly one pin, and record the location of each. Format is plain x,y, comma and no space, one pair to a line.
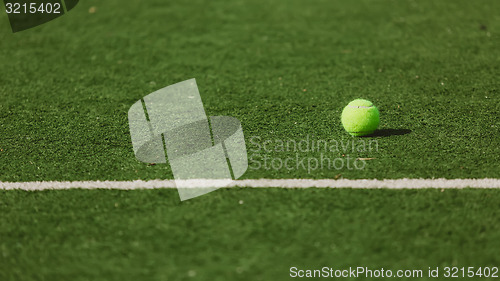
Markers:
389,132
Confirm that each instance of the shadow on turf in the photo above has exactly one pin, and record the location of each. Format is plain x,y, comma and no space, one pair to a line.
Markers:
389,132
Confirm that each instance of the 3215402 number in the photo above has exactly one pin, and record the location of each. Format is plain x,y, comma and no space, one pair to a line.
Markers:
33,8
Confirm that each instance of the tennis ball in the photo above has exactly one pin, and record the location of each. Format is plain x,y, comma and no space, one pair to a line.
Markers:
360,117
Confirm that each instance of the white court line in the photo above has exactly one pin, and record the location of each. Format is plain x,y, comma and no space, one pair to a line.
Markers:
259,183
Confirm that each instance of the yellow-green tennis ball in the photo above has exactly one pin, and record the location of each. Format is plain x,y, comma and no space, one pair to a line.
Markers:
360,118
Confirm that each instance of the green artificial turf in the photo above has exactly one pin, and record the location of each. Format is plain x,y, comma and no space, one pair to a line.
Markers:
285,69
242,234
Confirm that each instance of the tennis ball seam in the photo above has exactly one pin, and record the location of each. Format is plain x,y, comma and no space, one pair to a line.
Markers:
359,106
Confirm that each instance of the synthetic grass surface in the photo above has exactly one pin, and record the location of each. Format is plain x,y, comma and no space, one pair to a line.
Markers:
242,234
285,69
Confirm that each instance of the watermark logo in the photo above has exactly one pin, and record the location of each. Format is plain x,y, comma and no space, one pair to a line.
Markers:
26,14
204,153
309,154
